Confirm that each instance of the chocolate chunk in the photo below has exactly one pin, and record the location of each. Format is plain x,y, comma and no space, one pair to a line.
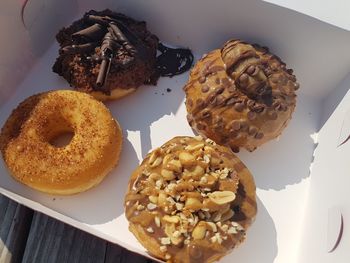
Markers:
272,115
284,107
83,48
231,101
233,133
217,81
277,105
250,70
243,79
90,34
250,103
201,126
259,135
206,114
220,99
259,108
236,125
231,89
212,98
219,126
218,119
296,86
215,69
189,102
200,103
219,90
244,126
239,106
235,149
205,88
252,130
226,83
103,72
202,79
122,39
251,115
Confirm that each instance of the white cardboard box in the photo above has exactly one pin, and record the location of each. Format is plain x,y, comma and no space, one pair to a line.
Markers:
300,177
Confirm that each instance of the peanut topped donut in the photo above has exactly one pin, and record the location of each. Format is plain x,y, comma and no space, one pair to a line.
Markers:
240,95
190,200
32,159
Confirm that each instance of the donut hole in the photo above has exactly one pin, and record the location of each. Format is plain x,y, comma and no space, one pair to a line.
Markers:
58,132
62,139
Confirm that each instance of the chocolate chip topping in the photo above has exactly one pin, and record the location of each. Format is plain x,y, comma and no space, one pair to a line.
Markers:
254,88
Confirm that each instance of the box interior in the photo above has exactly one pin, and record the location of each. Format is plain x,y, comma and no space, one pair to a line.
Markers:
288,194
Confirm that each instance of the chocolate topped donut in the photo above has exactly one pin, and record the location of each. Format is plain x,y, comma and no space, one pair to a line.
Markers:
109,55
98,45
240,95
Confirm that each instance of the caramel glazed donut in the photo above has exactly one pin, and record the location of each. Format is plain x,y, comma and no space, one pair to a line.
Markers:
93,151
240,95
190,201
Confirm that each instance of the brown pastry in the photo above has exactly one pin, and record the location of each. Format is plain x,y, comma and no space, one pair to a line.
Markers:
110,55
96,46
26,142
240,95
190,200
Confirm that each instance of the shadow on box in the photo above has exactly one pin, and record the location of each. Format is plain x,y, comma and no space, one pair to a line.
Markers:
261,241
102,203
273,165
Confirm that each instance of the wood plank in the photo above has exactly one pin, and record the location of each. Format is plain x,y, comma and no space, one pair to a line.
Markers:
115,253
39,238
15,222
52,241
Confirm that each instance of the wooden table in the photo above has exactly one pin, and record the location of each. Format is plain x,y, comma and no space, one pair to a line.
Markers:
28,236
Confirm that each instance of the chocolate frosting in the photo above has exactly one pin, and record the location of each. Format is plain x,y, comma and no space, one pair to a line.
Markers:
110,39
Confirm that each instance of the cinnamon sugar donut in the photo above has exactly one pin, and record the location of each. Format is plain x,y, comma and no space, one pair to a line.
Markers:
190,200
240,95
25,142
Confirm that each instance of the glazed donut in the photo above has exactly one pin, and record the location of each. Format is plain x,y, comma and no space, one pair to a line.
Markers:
190,200
25,142
88,41
240,95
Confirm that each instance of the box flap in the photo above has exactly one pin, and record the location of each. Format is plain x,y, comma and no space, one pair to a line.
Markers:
333,12
326,232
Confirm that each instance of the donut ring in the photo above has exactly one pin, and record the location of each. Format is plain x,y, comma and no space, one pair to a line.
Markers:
240,95
190,201
93,151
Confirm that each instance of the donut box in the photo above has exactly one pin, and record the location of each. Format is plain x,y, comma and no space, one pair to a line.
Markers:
301,178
